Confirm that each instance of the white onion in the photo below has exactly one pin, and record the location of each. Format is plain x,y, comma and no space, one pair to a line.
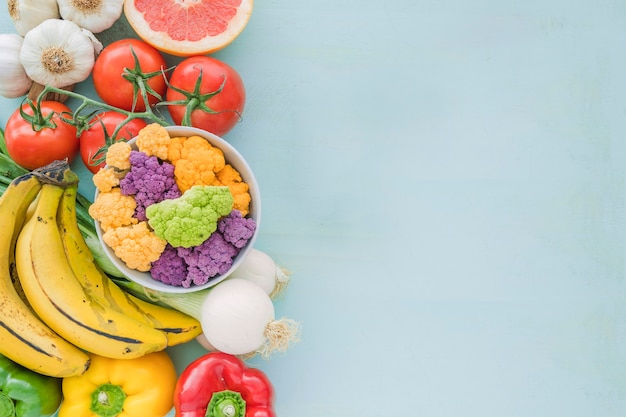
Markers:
235,315
257,267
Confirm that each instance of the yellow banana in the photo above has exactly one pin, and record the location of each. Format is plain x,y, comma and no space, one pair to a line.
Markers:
58,298
14,277
177,326
24,338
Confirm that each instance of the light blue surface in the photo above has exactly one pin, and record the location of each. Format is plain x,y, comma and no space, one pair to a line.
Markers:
445,180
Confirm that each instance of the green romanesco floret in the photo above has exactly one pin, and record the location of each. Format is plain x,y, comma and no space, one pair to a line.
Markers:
190,219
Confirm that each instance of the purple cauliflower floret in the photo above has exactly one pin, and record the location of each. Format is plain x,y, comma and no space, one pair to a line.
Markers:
170,268
236,229
213,257
196,265
149,181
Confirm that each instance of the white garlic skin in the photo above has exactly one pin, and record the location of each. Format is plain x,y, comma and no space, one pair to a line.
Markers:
26,14
58,53
93,15
14,81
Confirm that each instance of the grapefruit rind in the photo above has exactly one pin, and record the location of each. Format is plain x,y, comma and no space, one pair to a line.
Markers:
207,45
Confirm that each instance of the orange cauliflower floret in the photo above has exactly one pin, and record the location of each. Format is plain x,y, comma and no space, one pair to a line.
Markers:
118,155
137,245
153,140
113,209
195,161
106,179
230,177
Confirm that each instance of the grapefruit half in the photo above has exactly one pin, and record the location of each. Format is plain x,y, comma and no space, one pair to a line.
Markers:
188,27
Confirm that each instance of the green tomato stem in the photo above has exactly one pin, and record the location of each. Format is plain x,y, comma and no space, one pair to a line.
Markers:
37,120
191,106
194,100
87,103
139,79
143,90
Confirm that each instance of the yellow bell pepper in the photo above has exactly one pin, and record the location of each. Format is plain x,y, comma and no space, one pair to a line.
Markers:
141,387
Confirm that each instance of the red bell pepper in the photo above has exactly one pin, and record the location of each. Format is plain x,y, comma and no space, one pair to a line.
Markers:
221,385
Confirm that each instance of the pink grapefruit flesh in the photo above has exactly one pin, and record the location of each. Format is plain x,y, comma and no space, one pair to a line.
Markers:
188,27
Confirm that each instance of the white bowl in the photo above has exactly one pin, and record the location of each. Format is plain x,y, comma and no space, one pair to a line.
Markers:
234,158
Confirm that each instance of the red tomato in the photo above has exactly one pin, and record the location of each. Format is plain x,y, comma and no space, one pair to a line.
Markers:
115,74
33,149
219,98
93,144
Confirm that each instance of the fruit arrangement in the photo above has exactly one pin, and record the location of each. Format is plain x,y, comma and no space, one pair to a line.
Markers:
79,335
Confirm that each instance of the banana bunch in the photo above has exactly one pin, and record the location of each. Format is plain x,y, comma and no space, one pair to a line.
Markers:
56,304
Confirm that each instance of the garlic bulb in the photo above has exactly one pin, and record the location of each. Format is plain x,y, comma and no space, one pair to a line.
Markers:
14,81
26,14
58,53
93,15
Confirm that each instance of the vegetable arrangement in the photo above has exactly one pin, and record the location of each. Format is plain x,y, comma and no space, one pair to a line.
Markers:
57,52
168,208
173,206
55,186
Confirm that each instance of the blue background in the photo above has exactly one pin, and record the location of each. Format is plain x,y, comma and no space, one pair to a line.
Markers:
445,180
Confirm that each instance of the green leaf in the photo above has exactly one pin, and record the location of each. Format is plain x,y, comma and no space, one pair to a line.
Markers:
3,143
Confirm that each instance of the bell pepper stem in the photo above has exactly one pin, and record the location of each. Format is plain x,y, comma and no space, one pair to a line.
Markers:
7,407
226,404
107,400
